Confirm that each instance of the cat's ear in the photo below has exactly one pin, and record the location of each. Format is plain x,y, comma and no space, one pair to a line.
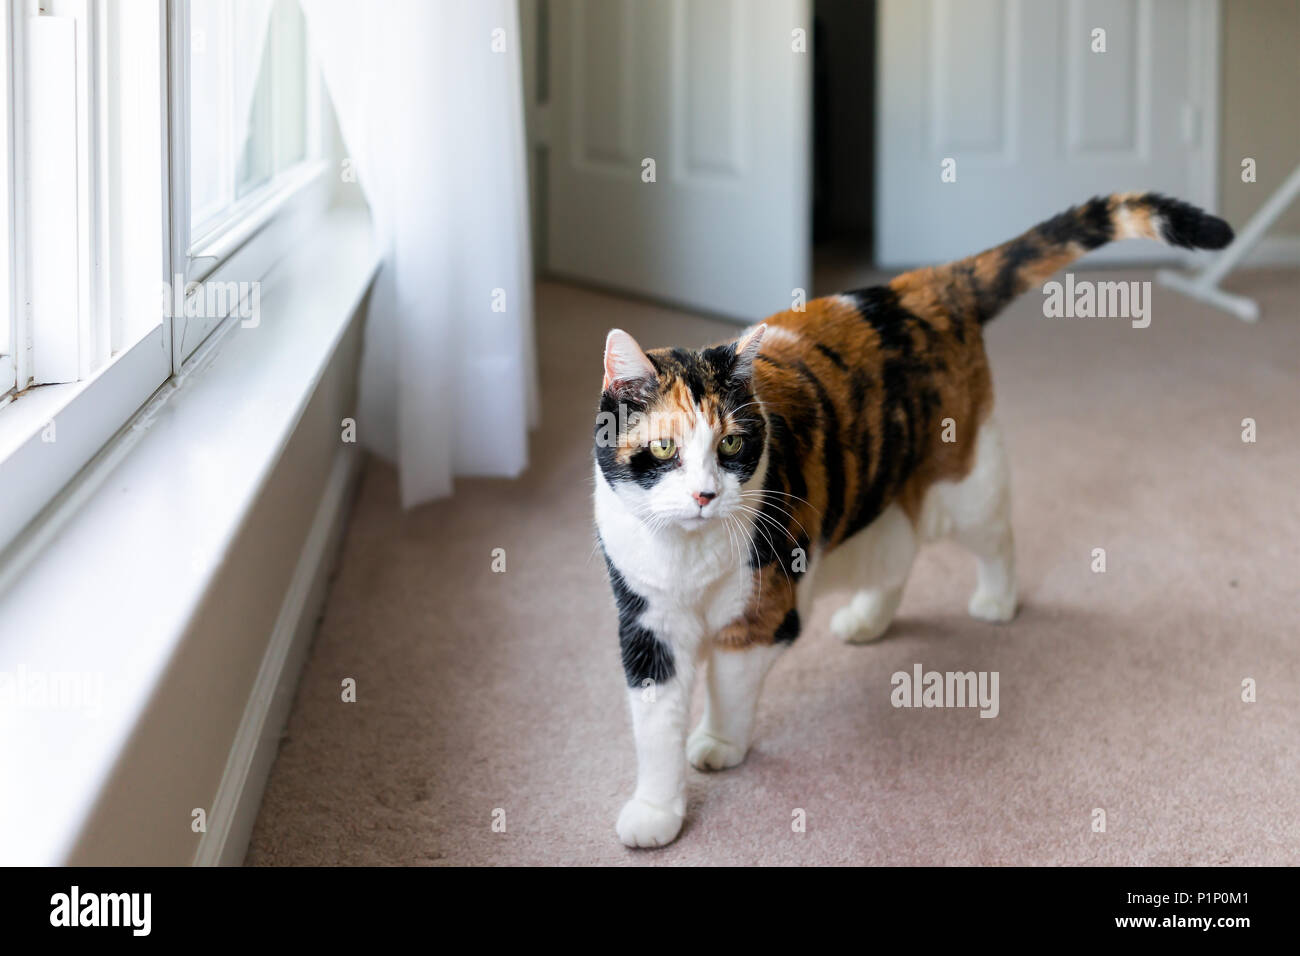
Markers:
626,366
746,352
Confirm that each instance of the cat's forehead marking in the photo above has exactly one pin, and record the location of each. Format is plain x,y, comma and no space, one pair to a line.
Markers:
678,398
662,420
688,393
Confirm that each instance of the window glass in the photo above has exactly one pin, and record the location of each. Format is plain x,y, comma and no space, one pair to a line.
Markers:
249,78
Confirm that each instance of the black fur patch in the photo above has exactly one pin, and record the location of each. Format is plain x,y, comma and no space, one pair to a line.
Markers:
645,657
754,434
789,629
908,408
1182,224
1089,225
880,309
1095,225
1018,253
832,452
834,356
986,304
783,465
642,467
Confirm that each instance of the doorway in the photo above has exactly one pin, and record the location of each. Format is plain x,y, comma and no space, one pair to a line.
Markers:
701,154
844,122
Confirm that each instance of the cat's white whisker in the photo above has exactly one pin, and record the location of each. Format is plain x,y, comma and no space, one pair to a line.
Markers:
772,521
783,511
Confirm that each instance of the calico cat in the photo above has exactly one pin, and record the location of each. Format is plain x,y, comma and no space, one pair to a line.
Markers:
826,444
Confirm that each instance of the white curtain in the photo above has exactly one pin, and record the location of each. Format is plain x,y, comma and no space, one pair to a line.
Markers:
429,96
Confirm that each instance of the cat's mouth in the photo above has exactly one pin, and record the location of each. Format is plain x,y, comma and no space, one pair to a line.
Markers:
691,519
700,518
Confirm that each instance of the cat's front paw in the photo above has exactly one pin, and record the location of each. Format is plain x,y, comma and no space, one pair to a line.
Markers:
707,752
645,824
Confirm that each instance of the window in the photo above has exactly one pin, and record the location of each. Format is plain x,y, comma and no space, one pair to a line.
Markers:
7,371
130,162
250,122
83,156
253,175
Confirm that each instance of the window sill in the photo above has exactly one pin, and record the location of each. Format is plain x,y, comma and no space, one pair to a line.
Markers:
107,600
27,413
33,463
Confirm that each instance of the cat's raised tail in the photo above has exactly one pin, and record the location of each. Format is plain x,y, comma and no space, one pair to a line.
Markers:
987,282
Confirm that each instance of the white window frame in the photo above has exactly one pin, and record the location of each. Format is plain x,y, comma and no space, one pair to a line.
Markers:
35,473
49,432
8,314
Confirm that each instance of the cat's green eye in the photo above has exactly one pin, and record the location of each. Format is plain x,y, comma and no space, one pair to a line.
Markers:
730,445
663,448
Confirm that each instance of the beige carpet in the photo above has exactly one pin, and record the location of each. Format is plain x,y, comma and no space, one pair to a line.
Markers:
1121,691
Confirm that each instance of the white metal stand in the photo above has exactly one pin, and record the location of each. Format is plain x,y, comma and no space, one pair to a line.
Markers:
1205,286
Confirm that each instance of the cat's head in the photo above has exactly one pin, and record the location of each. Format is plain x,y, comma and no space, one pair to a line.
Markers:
680,433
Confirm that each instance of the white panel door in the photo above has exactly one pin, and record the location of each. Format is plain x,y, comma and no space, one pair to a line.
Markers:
716,93
1034,118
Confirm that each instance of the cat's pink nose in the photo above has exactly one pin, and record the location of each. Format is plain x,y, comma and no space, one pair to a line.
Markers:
702,498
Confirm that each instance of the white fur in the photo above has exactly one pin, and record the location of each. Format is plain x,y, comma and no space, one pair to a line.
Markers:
779,333
735,678
880,555
1126,225
624,360
975,512
690,564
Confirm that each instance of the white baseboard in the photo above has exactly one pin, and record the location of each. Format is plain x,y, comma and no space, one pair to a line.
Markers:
234,811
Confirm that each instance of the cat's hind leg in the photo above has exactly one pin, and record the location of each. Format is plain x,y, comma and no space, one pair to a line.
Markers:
881,557
979,509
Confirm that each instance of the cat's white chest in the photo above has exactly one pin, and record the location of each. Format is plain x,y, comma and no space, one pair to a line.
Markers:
693,582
